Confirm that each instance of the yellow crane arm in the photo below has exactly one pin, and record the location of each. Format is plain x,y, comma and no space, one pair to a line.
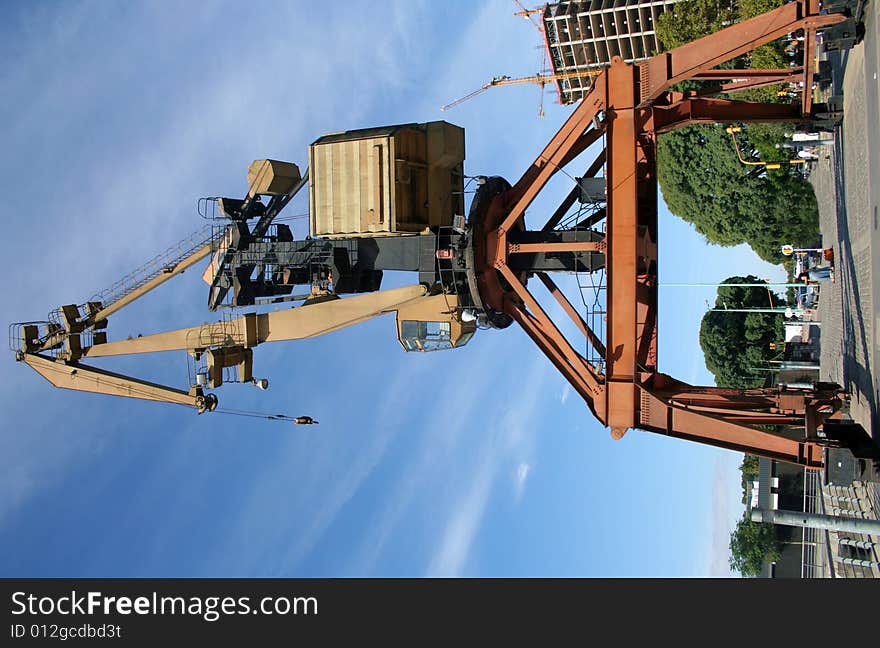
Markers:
479,90
168,273
538,79
79,377
252,329
227,344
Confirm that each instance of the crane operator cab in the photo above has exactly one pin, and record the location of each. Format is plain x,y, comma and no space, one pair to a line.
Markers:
433,323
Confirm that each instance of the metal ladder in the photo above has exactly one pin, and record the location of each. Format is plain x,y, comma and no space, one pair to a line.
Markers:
162,262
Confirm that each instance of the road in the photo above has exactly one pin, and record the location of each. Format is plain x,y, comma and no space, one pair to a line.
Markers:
847,188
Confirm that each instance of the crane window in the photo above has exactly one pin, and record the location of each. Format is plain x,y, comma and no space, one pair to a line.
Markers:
464,339
425,336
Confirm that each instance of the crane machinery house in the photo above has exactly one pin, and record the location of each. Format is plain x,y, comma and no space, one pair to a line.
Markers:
386,181
404,185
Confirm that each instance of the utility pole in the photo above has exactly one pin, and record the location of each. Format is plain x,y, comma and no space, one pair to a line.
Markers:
817,521
779,310
734,285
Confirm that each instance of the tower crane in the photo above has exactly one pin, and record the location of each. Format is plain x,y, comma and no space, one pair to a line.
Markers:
528,13
538,79
391,198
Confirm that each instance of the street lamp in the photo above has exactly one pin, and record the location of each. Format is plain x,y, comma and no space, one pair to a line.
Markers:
769,165
788,250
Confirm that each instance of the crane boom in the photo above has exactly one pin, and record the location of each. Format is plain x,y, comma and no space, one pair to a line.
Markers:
79,377
227,344
537,79
167,273
252,329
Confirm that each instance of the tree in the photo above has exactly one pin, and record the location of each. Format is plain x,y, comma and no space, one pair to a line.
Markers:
768,56
692,19
749,472
749,466
735,344
700,175
751,545
704,183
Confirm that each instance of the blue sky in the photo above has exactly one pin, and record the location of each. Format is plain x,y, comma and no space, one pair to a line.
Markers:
477,462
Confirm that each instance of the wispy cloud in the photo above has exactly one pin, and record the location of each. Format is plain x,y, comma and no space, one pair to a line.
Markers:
463,524
438,454
512,438
722,521
466,458
523,470
127,189
566,392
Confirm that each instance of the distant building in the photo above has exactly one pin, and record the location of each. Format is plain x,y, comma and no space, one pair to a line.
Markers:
585,35
819,553
780,485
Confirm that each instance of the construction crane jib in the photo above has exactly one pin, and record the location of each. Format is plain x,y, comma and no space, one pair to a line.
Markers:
537,79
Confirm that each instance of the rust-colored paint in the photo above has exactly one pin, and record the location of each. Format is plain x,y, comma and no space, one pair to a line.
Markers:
809,52
572,246
705,110
621,226
664,70
625,105
747,74
572,196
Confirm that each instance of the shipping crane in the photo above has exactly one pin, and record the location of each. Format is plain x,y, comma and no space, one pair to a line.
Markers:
381,199
391,198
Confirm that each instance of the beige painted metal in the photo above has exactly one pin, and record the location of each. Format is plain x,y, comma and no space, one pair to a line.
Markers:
272,177
253,329
437,308
90,379
170,273
383,181
445,172
220,250
238,357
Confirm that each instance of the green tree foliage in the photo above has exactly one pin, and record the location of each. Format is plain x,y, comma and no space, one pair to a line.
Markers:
729,203
749,471
768,56
735,344
749,466
700,176
751,545
751,8
763,138
692,19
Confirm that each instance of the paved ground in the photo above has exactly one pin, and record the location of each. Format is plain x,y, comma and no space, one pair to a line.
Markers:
847,185
848,190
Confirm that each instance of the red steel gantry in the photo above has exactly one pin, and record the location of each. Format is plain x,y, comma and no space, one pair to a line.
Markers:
629,104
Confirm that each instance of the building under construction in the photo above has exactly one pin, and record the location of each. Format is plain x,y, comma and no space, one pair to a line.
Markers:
586,34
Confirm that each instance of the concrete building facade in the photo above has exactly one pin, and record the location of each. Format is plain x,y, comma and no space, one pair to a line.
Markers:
586,34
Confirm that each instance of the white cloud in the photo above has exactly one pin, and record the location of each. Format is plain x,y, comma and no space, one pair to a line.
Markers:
132,190
438,455
465,458
462,526
566,392
724,517
522,474
513,437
